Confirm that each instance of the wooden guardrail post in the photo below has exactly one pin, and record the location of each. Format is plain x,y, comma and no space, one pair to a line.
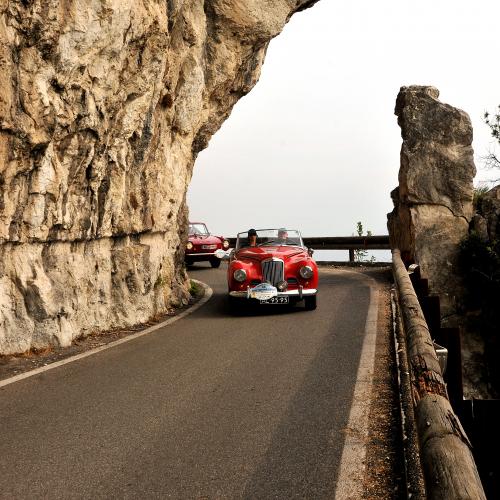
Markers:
447,337
449,469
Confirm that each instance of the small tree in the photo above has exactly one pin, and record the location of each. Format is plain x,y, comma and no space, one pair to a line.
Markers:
491,160
362,255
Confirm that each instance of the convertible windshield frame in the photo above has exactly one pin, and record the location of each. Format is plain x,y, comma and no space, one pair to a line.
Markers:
269,237
200,228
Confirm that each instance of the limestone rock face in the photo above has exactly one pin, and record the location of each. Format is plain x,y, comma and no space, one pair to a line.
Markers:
433,204
104,105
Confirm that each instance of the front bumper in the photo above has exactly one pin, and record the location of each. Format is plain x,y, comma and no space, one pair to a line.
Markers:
200,256
297,294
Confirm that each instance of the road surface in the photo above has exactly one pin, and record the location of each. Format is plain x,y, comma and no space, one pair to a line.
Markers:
212,406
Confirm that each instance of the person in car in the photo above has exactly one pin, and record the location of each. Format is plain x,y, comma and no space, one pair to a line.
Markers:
251,238
282,236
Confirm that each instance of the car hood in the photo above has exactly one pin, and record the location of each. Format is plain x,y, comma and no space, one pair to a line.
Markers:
261,253
203,240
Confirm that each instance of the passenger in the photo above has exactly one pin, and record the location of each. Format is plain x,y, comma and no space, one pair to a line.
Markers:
282,236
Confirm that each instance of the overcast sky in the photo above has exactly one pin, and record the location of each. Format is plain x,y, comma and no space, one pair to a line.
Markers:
315,145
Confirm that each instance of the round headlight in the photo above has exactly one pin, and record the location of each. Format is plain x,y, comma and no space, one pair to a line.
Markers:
225,244
189,245
240,275
306,272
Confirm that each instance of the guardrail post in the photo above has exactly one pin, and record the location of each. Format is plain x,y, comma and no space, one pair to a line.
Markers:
450,338
446,337
351,254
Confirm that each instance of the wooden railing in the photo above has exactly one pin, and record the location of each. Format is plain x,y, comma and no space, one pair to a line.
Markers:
350,243
448,465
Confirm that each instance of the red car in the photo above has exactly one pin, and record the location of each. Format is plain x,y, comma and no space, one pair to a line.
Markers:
201,245
272,266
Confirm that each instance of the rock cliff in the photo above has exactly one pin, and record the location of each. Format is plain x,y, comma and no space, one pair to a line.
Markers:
104,105
433,203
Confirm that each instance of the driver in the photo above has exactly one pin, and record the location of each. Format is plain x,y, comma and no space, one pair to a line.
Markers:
282,235
252,238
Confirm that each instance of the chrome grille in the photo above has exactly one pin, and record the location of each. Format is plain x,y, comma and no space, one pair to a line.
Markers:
273,271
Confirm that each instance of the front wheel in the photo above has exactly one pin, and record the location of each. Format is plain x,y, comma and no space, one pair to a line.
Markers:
310,303
215,262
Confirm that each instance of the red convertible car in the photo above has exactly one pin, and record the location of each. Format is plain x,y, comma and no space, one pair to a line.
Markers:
272,266
201,245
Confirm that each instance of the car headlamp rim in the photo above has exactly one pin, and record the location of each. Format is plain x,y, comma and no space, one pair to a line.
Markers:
306,272
240,275
189,245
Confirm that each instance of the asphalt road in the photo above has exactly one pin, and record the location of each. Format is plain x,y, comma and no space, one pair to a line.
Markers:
212,406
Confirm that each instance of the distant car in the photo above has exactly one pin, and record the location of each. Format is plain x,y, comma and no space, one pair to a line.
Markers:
277,269
201,245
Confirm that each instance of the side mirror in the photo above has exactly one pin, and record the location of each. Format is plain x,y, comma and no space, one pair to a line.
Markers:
310,251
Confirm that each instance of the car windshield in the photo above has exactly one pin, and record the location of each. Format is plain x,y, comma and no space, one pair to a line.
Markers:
198,228
270,237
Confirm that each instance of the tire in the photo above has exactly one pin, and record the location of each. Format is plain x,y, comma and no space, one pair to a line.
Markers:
310,303
188,262
215,262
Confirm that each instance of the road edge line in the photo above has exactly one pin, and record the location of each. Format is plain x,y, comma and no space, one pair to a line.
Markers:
206,297
350,481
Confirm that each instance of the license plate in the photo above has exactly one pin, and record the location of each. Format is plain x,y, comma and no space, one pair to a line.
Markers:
208,247
276,300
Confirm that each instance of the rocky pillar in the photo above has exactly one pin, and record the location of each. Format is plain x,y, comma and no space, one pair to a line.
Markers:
433,203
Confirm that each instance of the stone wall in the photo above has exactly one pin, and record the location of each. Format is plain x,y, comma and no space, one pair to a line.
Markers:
104,105
433,203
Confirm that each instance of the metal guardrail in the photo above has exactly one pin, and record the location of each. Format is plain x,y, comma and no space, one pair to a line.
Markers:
448,465
350,243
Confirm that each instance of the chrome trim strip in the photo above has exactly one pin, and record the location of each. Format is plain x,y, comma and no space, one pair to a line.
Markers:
198,254
289,293
301,240
273,270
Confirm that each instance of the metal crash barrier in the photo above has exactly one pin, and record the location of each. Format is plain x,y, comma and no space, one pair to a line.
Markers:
349,243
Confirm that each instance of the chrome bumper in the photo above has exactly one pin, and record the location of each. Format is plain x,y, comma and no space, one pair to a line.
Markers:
289,293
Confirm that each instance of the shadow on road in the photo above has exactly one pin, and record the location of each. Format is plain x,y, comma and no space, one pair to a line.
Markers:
220,307
302,460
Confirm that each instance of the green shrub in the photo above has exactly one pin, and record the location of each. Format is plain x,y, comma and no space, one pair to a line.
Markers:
478,196
194,288
480,264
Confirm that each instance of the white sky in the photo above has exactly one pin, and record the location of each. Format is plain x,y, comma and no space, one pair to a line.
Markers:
315,145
